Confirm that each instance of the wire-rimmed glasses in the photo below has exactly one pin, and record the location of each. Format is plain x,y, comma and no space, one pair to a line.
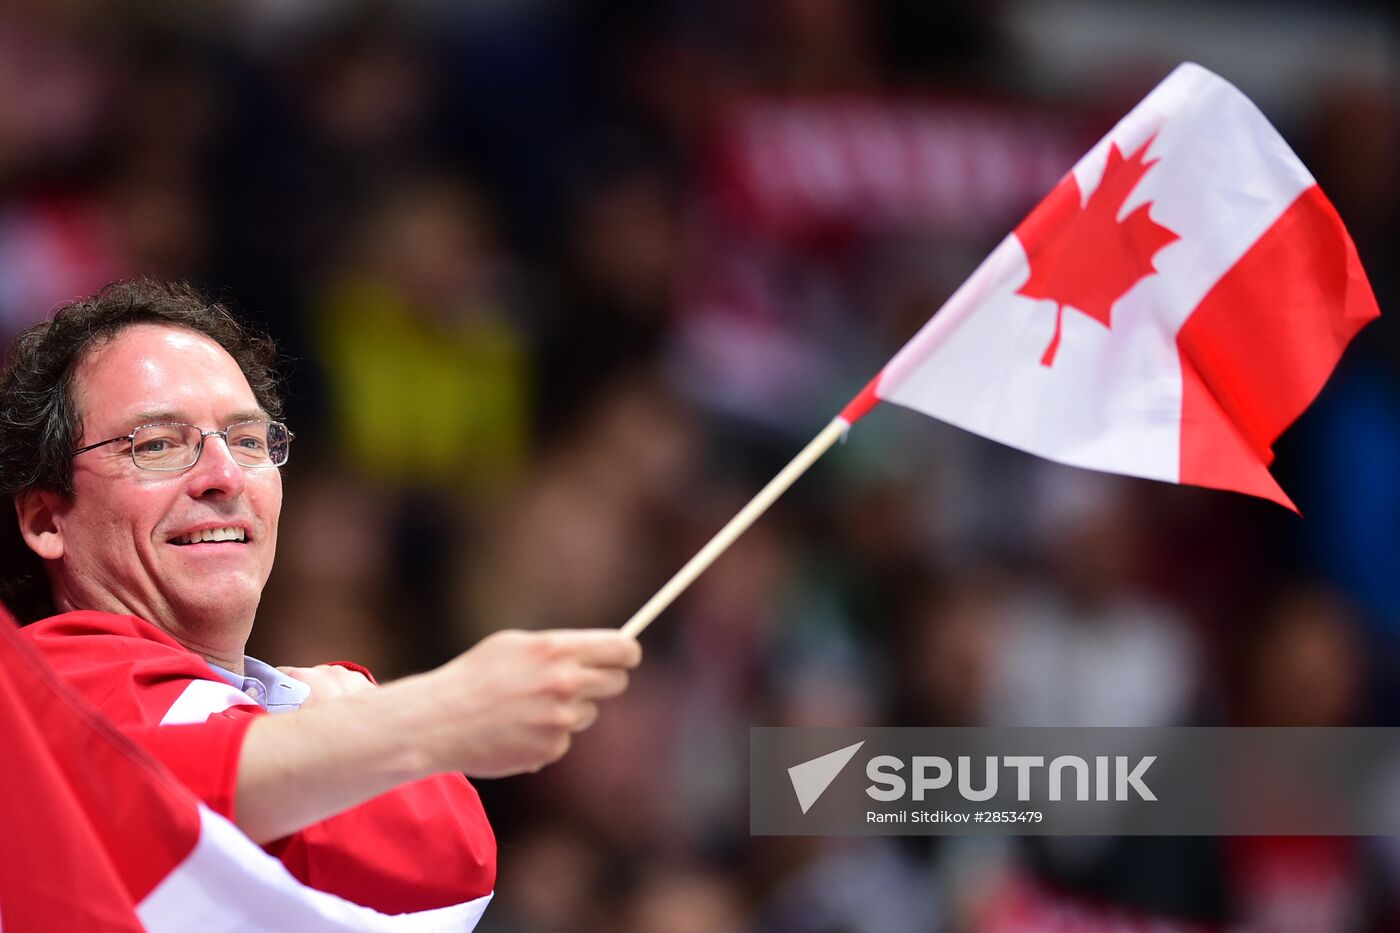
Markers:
173,445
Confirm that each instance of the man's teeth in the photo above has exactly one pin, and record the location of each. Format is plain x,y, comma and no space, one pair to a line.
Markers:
211,534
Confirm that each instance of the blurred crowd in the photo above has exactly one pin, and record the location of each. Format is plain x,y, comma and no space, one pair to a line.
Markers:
562,284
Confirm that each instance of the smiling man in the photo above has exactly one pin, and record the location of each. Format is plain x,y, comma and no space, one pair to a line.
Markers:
187,540
140,443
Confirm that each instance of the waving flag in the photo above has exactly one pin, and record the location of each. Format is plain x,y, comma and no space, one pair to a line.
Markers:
99,837
1166,312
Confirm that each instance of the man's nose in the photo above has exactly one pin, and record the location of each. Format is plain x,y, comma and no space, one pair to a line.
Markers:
216,471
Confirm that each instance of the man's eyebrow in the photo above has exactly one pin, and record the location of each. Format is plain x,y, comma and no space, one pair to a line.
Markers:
165,415
153,417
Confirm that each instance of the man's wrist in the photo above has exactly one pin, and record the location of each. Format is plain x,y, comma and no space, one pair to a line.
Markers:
410,716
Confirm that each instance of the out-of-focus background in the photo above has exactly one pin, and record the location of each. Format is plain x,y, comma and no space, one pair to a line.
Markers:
562,284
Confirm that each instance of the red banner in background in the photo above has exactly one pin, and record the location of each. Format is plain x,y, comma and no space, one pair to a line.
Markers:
870,164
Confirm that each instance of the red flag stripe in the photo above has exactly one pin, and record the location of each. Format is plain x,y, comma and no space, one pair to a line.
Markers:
858,407
1261,344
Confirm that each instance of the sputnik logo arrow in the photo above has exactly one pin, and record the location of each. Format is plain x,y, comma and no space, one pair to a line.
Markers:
811,778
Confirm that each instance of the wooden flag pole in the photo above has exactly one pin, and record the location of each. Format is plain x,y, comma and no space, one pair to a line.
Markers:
737,526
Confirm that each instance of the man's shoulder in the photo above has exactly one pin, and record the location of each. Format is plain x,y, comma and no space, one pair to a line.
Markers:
130,669
105,644
104,626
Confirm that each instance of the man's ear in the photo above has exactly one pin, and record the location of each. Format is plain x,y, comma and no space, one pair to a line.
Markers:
39,511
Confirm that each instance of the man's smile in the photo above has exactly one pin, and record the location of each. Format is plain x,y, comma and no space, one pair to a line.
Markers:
231,534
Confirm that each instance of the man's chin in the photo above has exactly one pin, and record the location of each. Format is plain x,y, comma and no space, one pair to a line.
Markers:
220,609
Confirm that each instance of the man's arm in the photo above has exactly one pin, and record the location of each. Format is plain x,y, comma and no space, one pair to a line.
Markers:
507,706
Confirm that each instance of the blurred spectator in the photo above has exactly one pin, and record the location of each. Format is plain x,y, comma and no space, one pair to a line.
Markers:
554,882
1087,646
948,652
428,381
1303,666
562,550
427,368
856,886
685,900
619,258
1303,662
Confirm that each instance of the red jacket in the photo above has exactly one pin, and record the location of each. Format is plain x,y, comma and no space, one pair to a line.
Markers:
425,845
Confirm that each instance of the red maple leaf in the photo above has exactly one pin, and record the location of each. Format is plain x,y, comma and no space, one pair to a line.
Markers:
1085,257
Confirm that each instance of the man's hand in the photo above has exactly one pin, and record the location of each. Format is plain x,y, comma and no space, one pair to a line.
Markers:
512,703
328,681
509,705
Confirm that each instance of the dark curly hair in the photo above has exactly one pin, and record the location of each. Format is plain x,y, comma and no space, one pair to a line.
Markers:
40,424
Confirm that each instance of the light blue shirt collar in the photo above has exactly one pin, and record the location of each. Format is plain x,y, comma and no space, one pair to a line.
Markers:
273,690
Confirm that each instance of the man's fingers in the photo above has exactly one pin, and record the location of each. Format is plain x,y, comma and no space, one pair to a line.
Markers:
598,647
297,673
328,680
600,683
587,714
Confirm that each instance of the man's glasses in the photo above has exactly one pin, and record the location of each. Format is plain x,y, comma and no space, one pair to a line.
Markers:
172,446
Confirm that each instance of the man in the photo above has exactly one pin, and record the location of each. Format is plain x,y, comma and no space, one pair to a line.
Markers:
139,441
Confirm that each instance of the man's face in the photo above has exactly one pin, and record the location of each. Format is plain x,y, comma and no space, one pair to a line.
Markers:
121,533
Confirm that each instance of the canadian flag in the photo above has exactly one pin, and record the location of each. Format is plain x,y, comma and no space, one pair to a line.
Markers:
98,836
1166,312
